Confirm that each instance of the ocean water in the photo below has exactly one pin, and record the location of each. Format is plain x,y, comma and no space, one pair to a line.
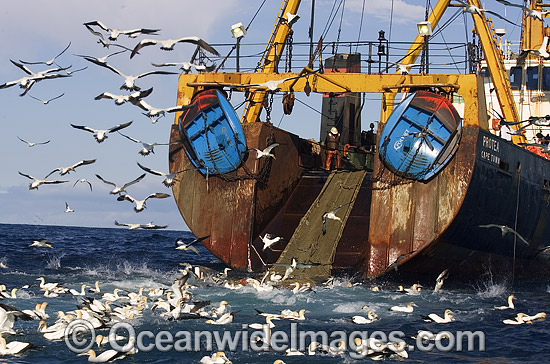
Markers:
124,259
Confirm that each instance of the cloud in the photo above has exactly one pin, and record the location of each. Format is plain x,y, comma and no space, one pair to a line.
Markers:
382,10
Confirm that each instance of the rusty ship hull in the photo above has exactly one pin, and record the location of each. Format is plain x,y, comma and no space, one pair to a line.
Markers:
422,226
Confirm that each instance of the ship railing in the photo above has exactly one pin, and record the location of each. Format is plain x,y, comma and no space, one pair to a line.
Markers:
379,56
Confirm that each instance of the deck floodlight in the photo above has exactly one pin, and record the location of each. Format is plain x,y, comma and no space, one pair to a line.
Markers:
424,28
238,30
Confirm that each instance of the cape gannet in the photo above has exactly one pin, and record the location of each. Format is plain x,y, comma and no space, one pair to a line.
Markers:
13,347
101,134
510,304
528,12
169,178
114,33
38,182
269,240
32,144
147,147
361,320
66,170
140,204
266,152
129,80
119,190
331,215
432,317
51,61
168,44
406,309
41,244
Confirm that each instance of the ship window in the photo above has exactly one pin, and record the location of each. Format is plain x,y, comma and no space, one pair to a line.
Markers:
484,71
515,77
532,78
546,78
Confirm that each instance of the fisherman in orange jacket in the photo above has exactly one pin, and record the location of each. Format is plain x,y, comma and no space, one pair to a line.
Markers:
332,143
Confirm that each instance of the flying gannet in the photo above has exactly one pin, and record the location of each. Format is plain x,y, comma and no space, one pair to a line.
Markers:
114,32
101,134
140,204
168,44
119,190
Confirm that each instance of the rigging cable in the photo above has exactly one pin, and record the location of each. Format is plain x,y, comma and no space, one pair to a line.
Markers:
256,14
391,20
360,26
340,25
325,32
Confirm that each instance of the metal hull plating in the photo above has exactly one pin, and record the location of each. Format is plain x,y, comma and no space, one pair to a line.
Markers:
436,224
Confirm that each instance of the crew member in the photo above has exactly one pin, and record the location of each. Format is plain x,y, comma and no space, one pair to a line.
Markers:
332,143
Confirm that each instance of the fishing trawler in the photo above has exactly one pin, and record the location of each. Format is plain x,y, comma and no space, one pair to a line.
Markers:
444,187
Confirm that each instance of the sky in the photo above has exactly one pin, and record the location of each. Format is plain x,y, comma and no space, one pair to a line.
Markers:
37,31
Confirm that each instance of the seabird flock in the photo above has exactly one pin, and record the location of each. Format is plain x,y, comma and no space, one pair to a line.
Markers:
135,97
177,301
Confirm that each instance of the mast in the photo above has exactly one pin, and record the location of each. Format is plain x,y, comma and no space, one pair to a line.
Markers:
495,65
271,58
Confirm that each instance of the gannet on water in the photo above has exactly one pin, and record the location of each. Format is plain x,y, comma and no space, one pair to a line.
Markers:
407,309
224,319
432,317
216,358
13,347
108,355
371,317
516,320
510,304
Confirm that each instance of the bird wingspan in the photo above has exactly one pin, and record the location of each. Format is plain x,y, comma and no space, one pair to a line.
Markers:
52,172
105,181
141,44
83,127
119,127
28,176
22,67
134,181
151,171
129,137
157,195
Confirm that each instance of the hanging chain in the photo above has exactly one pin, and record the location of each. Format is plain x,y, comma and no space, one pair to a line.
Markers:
288,62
